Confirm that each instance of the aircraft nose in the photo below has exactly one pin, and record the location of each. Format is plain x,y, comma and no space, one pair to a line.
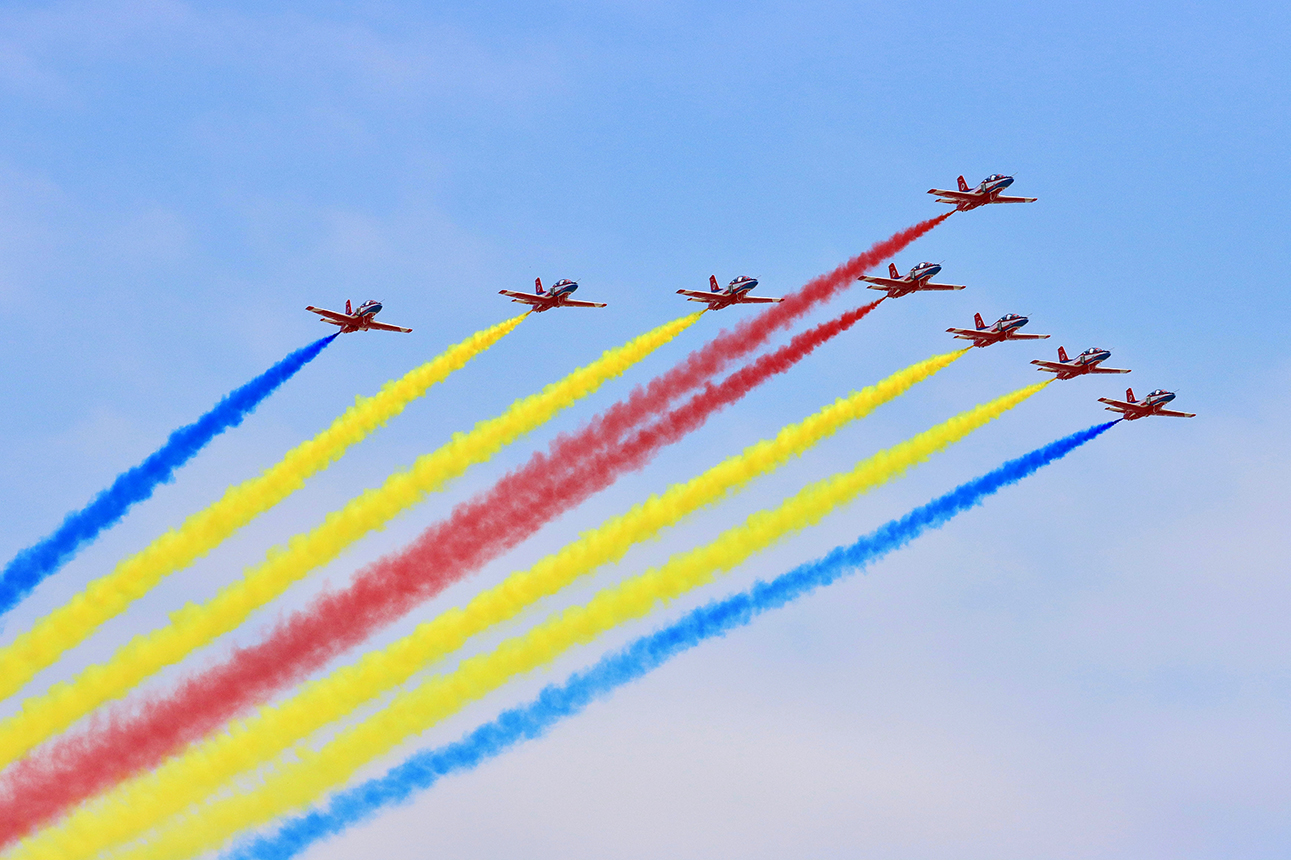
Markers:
1006,182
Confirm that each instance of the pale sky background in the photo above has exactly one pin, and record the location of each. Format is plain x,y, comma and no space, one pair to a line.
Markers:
1092,665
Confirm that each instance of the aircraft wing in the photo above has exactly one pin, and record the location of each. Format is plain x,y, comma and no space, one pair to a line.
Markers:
755,300
1055,366
968,333
380,326
697,296
570,303
1170,413
955,196
1027,336
1097,369
1120,405
931,286
331,316
884,283
527,298
1015,199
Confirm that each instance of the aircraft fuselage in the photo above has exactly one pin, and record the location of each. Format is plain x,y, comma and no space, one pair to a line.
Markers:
1084,363
1006,324
923,272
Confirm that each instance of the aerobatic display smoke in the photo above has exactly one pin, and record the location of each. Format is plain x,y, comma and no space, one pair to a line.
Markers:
110,595
27,799
74,768
140,804
32,565
48,714
749,335
557,702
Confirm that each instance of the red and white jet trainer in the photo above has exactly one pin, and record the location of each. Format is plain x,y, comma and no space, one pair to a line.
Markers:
987,192
735,293
1004,328
1086,362
557,297
1133,409
917,279
362,319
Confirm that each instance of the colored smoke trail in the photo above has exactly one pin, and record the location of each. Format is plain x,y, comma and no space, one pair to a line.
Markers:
556,702
37,787
109,595
71,770
52,779
32,565
134,807
752,333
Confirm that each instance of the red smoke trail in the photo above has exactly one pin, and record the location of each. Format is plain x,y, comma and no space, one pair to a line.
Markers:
749,335
73,769
66,771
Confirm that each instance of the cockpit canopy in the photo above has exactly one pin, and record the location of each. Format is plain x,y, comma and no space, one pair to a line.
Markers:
1158,392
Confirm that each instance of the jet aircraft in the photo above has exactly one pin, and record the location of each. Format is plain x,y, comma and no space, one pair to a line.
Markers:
735,293
917,279
1133,410
557,297
1086,362
363,319
987,192
1004,328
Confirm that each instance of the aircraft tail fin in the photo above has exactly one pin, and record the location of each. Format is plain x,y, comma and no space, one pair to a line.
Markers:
892,271
1129,395
963,186
1062,354
348,312
977,319
537,286
712,284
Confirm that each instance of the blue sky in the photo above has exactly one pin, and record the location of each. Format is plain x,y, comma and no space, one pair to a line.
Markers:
1091,665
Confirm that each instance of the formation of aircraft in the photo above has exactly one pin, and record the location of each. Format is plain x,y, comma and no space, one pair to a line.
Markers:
735,293
917,279
1004,328
1153,404
988,191
363,319
556,297
1088,361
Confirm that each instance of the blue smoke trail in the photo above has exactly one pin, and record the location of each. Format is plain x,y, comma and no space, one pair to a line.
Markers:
32,565
554,703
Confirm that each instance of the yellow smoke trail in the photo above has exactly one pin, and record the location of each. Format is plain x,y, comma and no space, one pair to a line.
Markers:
328,700
131,809
108,596
194,625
